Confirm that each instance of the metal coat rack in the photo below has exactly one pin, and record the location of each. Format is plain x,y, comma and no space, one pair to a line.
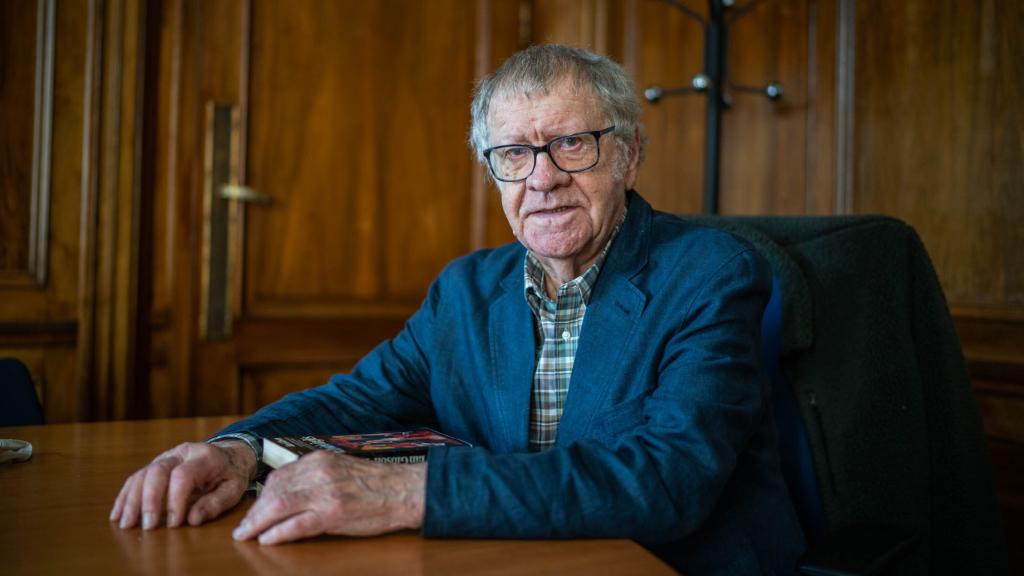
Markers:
712,81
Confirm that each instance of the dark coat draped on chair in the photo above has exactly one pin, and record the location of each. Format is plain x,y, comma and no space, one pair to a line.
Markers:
872,354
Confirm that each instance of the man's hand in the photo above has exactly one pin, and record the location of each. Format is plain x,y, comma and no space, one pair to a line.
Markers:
194,481
327,493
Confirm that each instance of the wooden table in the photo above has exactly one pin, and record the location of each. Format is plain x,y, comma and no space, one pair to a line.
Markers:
54,509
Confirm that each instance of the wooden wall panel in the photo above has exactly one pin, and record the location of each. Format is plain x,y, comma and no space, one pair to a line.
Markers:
165,120
507,26
591,24
369,213
776,157
669,53
111,260
764,143
77,311
993,342
27,40
825,132
940,136
63,287
175,203
40,195
18,64
261,385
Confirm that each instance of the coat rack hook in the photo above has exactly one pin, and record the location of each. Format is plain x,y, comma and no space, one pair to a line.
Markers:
712,81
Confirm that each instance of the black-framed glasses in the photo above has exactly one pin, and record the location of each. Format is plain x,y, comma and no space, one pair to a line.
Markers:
571,153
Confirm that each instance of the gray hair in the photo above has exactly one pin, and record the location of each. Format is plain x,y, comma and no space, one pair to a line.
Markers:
539,68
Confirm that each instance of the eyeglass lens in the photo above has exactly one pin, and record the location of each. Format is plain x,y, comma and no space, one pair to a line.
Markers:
571,153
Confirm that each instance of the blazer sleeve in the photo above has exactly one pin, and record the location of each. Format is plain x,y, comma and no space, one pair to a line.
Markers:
387,390
656,482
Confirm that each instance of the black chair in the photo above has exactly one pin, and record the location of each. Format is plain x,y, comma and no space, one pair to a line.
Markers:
20,405
880,436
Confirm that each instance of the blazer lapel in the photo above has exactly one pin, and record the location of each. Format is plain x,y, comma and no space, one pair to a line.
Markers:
613,314
607,331
513,354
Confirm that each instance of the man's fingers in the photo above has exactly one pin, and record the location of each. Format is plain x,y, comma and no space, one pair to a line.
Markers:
174,481
132,497
182,483
268,510
115,512
301,525
211,505
154,487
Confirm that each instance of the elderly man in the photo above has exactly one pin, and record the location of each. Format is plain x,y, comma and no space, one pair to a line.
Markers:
605,367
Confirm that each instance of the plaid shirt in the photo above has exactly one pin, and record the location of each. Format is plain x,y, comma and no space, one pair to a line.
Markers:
557,326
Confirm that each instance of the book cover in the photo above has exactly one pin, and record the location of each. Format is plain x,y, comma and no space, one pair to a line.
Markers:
406,447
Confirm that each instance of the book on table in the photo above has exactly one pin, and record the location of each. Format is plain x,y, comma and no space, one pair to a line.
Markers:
405,447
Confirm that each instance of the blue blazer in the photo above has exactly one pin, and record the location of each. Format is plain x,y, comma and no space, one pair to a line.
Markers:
666,437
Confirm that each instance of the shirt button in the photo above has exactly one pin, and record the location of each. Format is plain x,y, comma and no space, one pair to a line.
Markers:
566,335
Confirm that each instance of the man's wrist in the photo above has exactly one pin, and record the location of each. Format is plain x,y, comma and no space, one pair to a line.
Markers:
416,504
241,457
251,440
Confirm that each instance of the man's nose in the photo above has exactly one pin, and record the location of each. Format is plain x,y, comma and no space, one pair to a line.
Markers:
546,176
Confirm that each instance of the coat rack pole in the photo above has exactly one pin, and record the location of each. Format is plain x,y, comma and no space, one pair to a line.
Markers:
715,45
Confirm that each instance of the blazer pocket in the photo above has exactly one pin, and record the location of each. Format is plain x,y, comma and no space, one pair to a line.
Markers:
619,420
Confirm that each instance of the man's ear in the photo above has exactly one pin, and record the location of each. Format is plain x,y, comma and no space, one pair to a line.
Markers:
633,165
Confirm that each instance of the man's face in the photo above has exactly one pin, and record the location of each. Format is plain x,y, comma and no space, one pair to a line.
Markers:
561,217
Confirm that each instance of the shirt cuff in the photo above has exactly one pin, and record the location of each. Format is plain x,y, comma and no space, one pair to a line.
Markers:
256,444
253,441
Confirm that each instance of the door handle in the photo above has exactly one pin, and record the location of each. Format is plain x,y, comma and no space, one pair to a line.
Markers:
243,194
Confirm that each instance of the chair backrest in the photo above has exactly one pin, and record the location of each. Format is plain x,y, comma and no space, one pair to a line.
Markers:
870,354
19,404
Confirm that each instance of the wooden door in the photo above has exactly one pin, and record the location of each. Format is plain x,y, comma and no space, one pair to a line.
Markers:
350,118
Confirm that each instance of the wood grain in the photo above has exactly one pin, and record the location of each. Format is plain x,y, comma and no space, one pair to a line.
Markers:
39,321
940,136
110,212
262,384
369,171
669,54
18,23
26,93
42,506
503,29
764,143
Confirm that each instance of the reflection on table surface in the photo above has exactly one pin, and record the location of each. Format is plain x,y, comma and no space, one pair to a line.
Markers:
54,509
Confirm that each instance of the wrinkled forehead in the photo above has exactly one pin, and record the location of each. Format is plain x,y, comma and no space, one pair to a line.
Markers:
513,102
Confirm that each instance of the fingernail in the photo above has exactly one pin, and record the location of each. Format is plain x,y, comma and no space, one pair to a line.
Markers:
113,516
237,534
124,521
200,517
148,521
172,519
